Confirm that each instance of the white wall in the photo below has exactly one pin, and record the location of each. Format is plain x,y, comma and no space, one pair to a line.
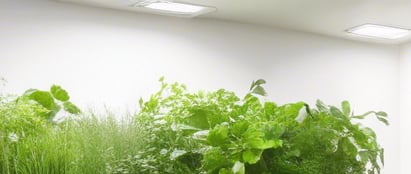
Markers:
405,107
108,57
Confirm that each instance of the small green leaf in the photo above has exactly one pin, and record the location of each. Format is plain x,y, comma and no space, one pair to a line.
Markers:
239,128
269,108
218,136
252,156
71,108
382,156
381,114
363,156
198,119
348,147
382,119
252,85
238,168
259,82
59,93
336,112
44,98
141,102
321,106
254,138
259,90
346,108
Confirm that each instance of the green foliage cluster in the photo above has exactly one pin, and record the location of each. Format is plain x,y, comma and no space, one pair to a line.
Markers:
178,131
31,143
25,123
52,100
220,133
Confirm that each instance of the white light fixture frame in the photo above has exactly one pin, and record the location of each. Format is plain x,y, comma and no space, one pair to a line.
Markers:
379,31
144,6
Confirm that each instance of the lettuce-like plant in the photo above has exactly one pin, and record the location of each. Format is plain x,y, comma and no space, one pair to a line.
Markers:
220,133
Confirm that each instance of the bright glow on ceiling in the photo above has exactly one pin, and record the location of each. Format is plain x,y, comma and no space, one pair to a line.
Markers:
379,31
175,7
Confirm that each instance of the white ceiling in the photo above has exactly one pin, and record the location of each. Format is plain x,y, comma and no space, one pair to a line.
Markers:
326,17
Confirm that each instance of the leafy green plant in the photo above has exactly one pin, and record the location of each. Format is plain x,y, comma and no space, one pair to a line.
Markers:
26,131
220,133
53,100
325,140
178,131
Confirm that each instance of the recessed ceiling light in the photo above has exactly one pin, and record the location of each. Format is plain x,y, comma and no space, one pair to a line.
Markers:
170,7
175,7
379,31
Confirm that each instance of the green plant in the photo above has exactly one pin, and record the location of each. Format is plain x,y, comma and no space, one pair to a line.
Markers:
326,140
178,131
53,100
26,132
217,132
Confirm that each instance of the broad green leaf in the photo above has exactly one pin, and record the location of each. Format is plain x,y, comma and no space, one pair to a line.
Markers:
254,138
252,156
346,108
259,90
198,119
239,128
218,136
238,168
71,108
271,144
59,93
44,98
293,109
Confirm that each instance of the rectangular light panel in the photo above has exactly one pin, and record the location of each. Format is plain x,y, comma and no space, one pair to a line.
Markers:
379,31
